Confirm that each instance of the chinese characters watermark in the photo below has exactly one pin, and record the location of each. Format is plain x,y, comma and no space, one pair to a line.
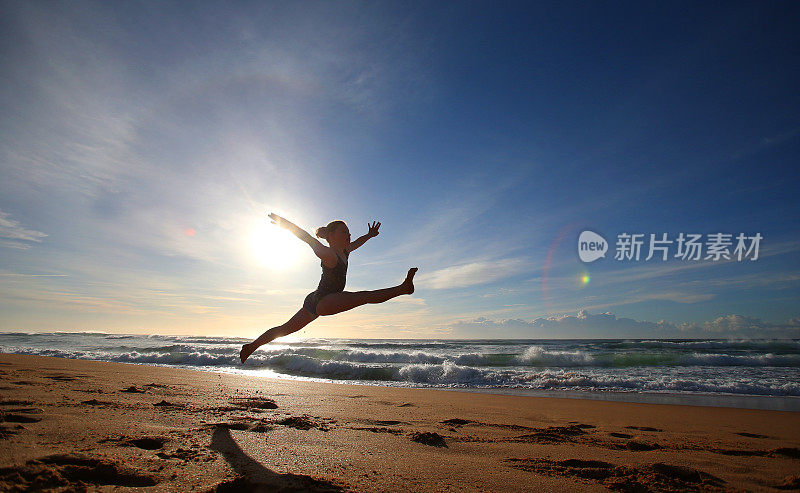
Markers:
690,246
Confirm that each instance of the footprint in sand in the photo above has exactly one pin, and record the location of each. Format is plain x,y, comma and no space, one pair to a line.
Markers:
246,404
284,482
262,427
643,428
95,402
654,477
553,434
235,425
18,418
384,422
306,423
788,452
73,473
60,377
432,439
146,443
254,403
457,422
750,435
791,452
133,390
15,402
188,455
641,446
741,453
168,405
156,385
9,431
25,382
376,429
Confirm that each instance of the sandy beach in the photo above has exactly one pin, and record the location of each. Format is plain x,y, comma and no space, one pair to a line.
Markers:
75,424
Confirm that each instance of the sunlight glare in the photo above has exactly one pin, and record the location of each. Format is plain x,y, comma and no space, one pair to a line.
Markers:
274,247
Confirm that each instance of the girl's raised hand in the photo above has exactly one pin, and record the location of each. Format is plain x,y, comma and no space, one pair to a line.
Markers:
276,219
373,230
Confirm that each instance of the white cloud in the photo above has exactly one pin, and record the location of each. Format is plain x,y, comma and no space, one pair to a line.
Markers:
743,326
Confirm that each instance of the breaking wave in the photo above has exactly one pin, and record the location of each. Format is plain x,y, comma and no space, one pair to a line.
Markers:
747,367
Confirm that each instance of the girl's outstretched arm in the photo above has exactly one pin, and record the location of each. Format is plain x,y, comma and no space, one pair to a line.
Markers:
373,232
326,254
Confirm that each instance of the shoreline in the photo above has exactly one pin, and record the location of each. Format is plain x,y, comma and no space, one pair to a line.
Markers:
181,429
737,401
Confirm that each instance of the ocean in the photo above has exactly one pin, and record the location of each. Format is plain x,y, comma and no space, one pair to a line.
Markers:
760,374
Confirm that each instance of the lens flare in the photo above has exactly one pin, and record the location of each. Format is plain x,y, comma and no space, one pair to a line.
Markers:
585,279
548,263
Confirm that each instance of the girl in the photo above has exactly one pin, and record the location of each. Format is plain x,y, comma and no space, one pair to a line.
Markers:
330,296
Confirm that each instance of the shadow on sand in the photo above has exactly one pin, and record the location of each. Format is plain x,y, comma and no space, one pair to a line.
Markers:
254,477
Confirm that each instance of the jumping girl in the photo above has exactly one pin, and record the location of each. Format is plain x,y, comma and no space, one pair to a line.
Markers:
330,297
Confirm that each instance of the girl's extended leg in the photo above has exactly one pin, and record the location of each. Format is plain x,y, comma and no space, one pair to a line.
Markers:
297,322
339,302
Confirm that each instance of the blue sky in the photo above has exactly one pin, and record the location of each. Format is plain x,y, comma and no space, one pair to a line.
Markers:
143,144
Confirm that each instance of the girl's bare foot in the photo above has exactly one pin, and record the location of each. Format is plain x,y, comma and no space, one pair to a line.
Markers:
408,284
246,351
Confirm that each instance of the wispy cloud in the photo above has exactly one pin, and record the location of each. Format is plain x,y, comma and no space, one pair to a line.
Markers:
474,273
676,296
16,236
16,274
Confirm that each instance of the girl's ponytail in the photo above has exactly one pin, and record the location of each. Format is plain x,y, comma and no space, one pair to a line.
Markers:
325,231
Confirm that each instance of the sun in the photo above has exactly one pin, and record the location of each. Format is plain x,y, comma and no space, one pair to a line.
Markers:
274,247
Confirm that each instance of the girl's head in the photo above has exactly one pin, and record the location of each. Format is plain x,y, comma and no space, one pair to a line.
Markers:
336,232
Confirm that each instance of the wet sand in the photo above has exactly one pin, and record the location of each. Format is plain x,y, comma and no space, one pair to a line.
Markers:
74,424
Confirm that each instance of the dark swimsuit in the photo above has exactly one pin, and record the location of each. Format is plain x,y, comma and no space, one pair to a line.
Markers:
333,279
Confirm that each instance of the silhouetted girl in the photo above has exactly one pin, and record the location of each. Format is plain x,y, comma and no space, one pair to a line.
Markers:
330,297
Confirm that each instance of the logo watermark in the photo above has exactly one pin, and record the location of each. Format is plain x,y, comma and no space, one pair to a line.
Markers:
591,246
690,246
